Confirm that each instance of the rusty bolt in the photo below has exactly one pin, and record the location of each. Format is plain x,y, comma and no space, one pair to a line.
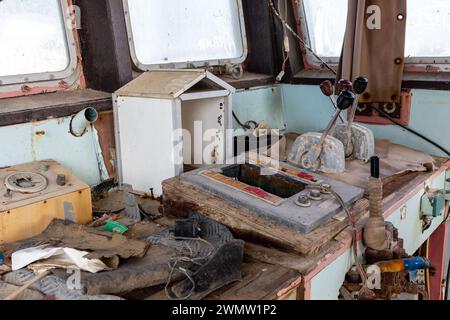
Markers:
25,88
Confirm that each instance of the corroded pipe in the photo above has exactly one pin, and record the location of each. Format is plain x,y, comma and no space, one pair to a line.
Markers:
82,120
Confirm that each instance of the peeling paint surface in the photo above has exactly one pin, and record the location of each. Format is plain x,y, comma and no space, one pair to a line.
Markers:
51,139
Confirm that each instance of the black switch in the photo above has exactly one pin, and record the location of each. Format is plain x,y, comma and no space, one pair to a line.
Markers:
375,167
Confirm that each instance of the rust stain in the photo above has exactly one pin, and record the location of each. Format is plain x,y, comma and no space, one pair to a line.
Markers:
105,128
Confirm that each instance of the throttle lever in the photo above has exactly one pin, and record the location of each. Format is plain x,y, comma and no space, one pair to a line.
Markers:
310,161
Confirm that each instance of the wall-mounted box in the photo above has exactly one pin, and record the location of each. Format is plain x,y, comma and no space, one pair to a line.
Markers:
165,119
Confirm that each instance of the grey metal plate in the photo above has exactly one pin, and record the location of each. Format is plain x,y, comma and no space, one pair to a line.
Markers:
287,213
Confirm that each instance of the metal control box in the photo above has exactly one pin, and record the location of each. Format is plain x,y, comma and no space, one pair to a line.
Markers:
279,194
165,119
32,195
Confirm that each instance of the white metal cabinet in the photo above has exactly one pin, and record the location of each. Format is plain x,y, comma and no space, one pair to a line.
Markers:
167,118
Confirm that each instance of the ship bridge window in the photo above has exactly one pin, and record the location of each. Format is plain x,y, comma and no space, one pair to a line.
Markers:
35,37
428,26
180,33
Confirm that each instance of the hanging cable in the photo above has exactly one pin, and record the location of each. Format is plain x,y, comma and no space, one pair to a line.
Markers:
246,125
305,45
326,65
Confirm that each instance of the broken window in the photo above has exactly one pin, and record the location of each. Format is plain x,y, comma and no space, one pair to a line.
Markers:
34,40
428,26
185,33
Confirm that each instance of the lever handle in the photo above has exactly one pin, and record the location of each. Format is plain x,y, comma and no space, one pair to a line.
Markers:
345,100
327,88
375,167
344,85
360,85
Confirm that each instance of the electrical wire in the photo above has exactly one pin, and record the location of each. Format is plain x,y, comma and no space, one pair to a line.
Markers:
305,45
385,114
174,262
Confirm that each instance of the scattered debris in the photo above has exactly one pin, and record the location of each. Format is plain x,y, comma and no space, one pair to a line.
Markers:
51,286
52,257
101,244
208,258
222,269
135,273
116,227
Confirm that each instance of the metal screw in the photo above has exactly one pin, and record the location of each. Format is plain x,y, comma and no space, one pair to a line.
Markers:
303,201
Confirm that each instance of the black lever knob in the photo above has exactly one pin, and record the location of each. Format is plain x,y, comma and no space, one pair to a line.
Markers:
360,85
345,100
375,167
344,85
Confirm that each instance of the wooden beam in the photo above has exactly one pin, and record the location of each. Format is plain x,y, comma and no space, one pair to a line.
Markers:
181,198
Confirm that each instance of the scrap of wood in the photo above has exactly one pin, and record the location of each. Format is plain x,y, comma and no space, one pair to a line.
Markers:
260,281
133,274
100,244
181,198
304,264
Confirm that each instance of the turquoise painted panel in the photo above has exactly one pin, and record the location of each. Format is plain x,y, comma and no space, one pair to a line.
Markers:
20,144
16,145
306,109
408,222
258,104
326,284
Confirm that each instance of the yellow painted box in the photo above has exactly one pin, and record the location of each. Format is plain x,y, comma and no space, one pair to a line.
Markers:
33,194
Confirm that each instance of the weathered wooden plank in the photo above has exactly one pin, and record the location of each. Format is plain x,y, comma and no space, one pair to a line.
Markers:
181,197
304,264
51,105
260,281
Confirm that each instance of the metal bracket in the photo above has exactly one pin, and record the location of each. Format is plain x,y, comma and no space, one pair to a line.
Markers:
432,203
447,187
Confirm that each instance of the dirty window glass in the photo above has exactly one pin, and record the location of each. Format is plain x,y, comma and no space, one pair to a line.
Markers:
32,37
427,34
326,21
428,27
179,31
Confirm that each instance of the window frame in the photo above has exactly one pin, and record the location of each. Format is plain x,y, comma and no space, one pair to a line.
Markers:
12,82
418,65
182,65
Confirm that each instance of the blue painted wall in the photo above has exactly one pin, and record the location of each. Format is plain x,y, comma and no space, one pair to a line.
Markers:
306,109
20,144
258,104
